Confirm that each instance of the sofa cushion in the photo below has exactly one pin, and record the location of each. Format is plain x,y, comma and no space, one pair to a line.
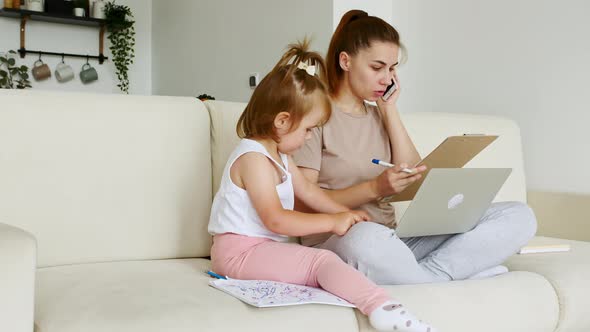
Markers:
17,270
106,177
162,295
513,302
224,118
568,273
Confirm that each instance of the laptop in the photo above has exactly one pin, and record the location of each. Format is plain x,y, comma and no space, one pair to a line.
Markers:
451,201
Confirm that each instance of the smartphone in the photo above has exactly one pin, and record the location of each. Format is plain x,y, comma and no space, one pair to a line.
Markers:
389,91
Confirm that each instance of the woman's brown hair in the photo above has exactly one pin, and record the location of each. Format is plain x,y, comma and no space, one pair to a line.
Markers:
287,88
356,31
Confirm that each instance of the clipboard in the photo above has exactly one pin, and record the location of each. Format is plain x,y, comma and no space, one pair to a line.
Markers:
453,152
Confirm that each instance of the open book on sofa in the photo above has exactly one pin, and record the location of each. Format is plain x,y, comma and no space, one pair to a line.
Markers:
264,293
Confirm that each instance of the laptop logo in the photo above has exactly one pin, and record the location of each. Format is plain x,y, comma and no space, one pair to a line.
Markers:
455,201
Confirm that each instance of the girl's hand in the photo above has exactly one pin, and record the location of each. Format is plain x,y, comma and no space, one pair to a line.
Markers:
394,181
344,220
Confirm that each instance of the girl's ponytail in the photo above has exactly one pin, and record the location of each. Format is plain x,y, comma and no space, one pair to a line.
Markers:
298,54
295,85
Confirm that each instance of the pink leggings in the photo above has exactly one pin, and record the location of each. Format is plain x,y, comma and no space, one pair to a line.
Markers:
244,257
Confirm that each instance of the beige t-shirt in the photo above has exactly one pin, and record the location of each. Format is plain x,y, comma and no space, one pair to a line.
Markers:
342,151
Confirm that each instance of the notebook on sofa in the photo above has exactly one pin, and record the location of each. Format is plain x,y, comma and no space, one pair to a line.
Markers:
264,293
453,152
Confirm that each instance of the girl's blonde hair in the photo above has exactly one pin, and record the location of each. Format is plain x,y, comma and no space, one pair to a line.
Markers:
287,88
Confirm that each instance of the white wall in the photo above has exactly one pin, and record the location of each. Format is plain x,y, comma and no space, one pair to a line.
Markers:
528,60
83,40
380,8
212,46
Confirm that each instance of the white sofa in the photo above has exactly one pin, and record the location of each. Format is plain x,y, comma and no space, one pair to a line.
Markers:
104,204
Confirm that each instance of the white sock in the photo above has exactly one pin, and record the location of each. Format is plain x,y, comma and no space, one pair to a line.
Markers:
392,316
491,272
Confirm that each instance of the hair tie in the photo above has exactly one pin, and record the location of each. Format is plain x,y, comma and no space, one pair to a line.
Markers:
308,69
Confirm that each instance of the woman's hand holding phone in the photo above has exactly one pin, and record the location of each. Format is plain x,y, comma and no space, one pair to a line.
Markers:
392,91
389,99
388,102
389,91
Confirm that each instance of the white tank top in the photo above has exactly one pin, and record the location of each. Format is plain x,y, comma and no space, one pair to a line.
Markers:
232,210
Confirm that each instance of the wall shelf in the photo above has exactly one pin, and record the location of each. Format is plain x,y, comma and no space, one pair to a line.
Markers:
26,15
50,17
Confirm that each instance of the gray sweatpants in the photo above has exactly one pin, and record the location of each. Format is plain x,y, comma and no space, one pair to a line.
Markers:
377,252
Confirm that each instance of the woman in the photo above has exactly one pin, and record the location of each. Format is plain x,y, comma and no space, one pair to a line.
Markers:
361,60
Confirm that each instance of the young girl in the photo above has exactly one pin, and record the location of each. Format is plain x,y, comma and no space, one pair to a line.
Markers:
252,214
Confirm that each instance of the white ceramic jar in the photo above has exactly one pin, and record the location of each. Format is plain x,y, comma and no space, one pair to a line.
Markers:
98,9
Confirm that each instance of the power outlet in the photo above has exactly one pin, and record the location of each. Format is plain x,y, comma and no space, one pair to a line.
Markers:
253,80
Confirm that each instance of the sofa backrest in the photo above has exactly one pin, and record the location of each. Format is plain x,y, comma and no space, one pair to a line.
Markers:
224,118
427,130
106,177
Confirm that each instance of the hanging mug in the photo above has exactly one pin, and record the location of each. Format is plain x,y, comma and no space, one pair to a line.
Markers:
63,72
88,74
40,70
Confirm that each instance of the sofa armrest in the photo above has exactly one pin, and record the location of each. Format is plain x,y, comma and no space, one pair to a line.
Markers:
18,250
561,215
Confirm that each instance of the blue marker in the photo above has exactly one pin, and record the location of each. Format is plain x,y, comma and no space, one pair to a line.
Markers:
215,275
386,164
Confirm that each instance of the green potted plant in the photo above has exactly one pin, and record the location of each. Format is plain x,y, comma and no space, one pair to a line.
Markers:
205,97
122,37
12,76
